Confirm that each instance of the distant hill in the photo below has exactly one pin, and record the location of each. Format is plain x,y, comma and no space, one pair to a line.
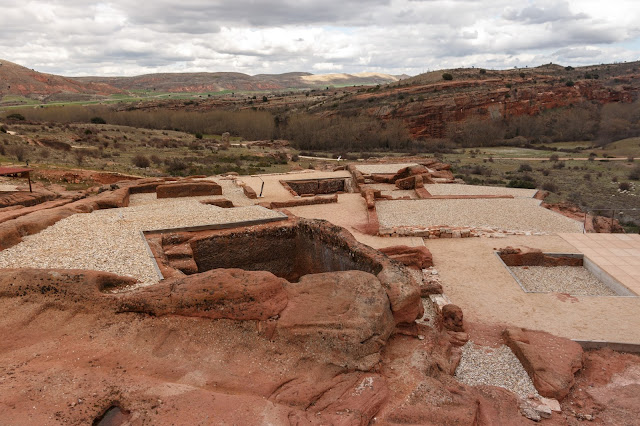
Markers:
219,81
428,102
18,81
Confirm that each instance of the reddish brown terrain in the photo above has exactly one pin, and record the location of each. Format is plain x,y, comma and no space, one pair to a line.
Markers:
308,326
21,81
427,102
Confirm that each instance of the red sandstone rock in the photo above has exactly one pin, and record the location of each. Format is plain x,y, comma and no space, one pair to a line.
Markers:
304,202
221,202
442,174
452,318
219,293
404,294
430,287
409,171
347,311
188,189
414,257
527,256
426,179
407,183
550,361
249,192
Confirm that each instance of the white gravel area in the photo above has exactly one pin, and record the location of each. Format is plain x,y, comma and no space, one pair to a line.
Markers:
110,240
481,365
368,169
460,189
575,280
518,214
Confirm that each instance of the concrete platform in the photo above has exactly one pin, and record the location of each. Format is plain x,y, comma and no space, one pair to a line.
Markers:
616,254
474,278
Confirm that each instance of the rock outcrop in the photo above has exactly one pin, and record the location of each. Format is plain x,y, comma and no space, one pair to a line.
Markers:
550,361
413,257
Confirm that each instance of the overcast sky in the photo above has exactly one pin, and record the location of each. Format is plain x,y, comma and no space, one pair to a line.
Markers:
126,37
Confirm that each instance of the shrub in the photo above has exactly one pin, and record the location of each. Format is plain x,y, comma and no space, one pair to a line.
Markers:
520,183
16,117
569,83
550,186
634,174
141,161
18,151
265,99
3,129
447,76
198,135
483,71
525,168
554,157
624,186
98,120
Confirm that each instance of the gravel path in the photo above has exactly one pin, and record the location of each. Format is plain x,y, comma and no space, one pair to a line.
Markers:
519,214
575,280
110,240
459,189
482,365
368,169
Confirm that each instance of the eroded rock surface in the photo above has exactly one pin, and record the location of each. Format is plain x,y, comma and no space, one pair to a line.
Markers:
550,361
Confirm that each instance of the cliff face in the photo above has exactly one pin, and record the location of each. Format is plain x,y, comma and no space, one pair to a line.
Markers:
428,106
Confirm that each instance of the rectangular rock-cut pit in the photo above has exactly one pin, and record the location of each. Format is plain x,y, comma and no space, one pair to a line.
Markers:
570,273
287,252
315,186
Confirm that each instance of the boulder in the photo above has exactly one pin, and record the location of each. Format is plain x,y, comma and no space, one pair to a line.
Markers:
188,189
442,174
403,292
219,293
413,257
347,314
249,192
430,287
550,361
220,202
426,179
452,318
406,183
410,171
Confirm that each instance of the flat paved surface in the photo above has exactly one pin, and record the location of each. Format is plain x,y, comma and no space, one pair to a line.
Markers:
617,254
475,279
517,214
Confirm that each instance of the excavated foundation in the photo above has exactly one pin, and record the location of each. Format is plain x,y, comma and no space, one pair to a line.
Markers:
290,250
315,186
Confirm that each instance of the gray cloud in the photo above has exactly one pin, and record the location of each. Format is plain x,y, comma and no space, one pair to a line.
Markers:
118,37
541,13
